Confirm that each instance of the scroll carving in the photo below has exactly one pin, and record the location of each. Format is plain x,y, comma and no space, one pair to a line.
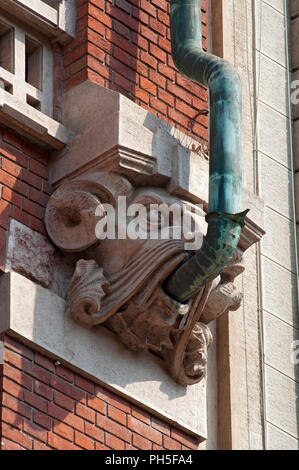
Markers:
118,283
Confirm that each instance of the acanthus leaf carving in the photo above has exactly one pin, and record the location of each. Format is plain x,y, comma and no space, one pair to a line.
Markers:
119,283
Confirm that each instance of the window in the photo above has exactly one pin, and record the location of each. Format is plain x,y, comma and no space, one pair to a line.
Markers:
33,62
6,47
26,67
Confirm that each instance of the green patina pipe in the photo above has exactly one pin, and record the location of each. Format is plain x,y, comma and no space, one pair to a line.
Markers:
225,220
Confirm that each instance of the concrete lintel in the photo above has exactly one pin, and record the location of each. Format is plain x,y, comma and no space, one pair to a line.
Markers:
30,311
56,23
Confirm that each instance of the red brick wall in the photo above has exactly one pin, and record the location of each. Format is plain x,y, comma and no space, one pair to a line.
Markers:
24,187
44,405
124,45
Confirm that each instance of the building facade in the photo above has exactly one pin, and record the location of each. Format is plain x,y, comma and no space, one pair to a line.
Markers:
94,354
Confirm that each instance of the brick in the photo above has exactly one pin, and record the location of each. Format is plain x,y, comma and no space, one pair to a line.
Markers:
147,85
98,67
163,17
139,67
140,41
62,415
93,77
97,404
146,32
16,436
157,26
160,425
37,372
6,444
12,418
117,415
20,216
141,415
38,225
184,438
148,59
185,109
124,18
99,446
16,405
94,432
157,78
113,427
146,6
165,44
84,441
129,447
64,373
44,390
122,69
158,105
21,187
96,26
42,419
39,169
17,376
141,428
85,412
140,15
4,214
121,42
179,118
38,197
112,399
160,4
11,196
13,155
40,446
12,388
85,384
63,430
59,443
12,139
32,179
122,30
35,401
67,388
113,442
32,208
34,430
157,52
18,347
156,447
122,82
179,92
141,442
14,359
35,152
11,167
64,401
166,97
121,55
44,361
171,444
124,5
166,71
141,94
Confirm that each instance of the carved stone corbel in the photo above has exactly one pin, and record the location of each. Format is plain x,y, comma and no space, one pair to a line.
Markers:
118,283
